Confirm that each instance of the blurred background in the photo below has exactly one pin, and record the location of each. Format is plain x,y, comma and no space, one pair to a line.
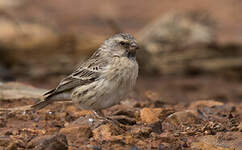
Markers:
190,50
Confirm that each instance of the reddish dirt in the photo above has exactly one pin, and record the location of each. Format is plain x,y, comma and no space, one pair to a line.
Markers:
160,114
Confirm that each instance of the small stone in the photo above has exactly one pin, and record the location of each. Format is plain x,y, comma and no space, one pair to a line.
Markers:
141,131
153,96
124,120
3,122
77,131
77,113
4,141
150,115
134,148
93,147
207,132
50,112
107,132
49,142
181,120
220,141
240,127
90,120
12,146
208,103
206,146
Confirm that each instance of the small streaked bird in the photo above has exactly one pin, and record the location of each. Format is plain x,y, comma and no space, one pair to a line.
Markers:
103,80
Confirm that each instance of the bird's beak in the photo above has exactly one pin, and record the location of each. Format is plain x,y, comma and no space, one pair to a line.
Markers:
132,49
134,46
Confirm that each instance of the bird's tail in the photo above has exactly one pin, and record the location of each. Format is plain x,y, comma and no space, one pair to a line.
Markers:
48,100
51,97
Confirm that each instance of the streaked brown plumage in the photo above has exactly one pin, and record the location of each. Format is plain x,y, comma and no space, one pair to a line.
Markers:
103,80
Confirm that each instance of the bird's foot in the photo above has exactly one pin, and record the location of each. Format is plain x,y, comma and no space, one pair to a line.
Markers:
103,120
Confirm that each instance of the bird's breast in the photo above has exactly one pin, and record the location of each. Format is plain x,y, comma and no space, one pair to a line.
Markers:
114,83
123,72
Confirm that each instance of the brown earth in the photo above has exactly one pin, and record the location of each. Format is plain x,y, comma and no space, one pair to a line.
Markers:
150,121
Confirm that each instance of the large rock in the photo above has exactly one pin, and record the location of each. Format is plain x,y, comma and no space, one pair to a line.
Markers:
185,44
24,35
177,31
36,50
18,91
164,41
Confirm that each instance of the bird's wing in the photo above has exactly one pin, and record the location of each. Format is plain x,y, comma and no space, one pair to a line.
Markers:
84,74
78,78
81,76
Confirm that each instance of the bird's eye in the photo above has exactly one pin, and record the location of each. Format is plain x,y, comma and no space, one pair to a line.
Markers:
122,43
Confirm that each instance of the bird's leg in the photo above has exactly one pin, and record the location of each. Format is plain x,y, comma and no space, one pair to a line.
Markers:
98,114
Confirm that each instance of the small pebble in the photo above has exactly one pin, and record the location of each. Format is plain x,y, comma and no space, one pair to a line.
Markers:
134,148
90,120
24,113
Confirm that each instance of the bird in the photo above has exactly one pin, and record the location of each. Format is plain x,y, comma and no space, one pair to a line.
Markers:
103,80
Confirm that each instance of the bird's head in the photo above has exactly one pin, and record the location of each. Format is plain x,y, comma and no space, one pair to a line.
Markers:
121,45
